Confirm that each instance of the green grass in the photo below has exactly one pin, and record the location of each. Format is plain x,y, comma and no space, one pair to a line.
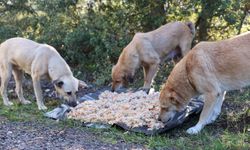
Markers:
230,130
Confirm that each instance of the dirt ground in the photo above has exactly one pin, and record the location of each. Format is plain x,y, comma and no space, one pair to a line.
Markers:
42,136
33,135
37,136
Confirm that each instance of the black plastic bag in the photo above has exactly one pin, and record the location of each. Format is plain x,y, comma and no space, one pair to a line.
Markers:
194,107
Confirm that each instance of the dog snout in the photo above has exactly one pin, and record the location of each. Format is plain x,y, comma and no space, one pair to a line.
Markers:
72,103
164,120
116,87
159,119
113,88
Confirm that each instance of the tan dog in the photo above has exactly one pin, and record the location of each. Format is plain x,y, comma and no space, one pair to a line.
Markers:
149,50
209,69
19,55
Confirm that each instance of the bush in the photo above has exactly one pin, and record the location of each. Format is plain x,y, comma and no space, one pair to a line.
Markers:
7,31
90,35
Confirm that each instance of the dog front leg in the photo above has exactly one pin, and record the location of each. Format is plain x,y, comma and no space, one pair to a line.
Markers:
38,92
217,108
207,113
145,71
149,74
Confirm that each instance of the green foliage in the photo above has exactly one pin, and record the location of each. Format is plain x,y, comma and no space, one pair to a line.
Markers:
7,31
90,35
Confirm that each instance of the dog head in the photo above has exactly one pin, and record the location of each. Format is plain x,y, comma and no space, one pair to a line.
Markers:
170,104
120,78
67,88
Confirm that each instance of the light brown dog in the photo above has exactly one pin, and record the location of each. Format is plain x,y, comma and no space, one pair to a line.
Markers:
149,50
41,61
209,69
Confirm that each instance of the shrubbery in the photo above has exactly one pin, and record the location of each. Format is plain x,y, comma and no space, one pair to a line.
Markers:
91,34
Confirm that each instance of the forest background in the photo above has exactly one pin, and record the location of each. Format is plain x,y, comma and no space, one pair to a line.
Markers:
90,34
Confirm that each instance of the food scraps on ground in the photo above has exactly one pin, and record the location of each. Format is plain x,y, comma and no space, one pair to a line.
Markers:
134,109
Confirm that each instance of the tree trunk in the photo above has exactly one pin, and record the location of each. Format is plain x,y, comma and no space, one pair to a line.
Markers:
202,25
203,22
157,15
246,10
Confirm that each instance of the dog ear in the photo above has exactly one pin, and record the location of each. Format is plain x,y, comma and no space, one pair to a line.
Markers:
82,84
130,79
174,101
58,83
177,101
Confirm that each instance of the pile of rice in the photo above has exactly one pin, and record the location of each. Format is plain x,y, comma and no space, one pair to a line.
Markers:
132,109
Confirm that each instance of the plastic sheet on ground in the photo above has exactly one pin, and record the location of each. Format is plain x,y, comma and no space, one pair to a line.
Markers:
58,113
194,107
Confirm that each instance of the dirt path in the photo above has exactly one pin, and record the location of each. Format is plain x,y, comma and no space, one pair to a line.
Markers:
37,136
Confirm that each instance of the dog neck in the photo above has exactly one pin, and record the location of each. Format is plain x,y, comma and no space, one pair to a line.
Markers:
180,82
129,63
191,84
58,68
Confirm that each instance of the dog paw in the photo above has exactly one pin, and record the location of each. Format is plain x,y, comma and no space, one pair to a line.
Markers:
8,103
25,102
144,89
193,130
42,107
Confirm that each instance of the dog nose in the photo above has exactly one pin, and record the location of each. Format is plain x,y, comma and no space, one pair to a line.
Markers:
72,103
112,90
159,119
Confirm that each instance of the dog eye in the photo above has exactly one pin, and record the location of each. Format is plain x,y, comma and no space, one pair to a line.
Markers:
172,98
69,93
165,109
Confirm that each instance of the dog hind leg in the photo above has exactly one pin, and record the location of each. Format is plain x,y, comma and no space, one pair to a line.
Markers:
18,76
5,78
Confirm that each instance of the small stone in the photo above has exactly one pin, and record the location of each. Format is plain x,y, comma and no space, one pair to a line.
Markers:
11,91
9,132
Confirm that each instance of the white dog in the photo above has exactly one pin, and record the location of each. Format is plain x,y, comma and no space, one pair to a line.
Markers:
41,61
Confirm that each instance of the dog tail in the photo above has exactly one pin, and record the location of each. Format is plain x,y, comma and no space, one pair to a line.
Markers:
191,26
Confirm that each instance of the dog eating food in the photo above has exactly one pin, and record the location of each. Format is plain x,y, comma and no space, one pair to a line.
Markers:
40,61
170,41
132,109
209,69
